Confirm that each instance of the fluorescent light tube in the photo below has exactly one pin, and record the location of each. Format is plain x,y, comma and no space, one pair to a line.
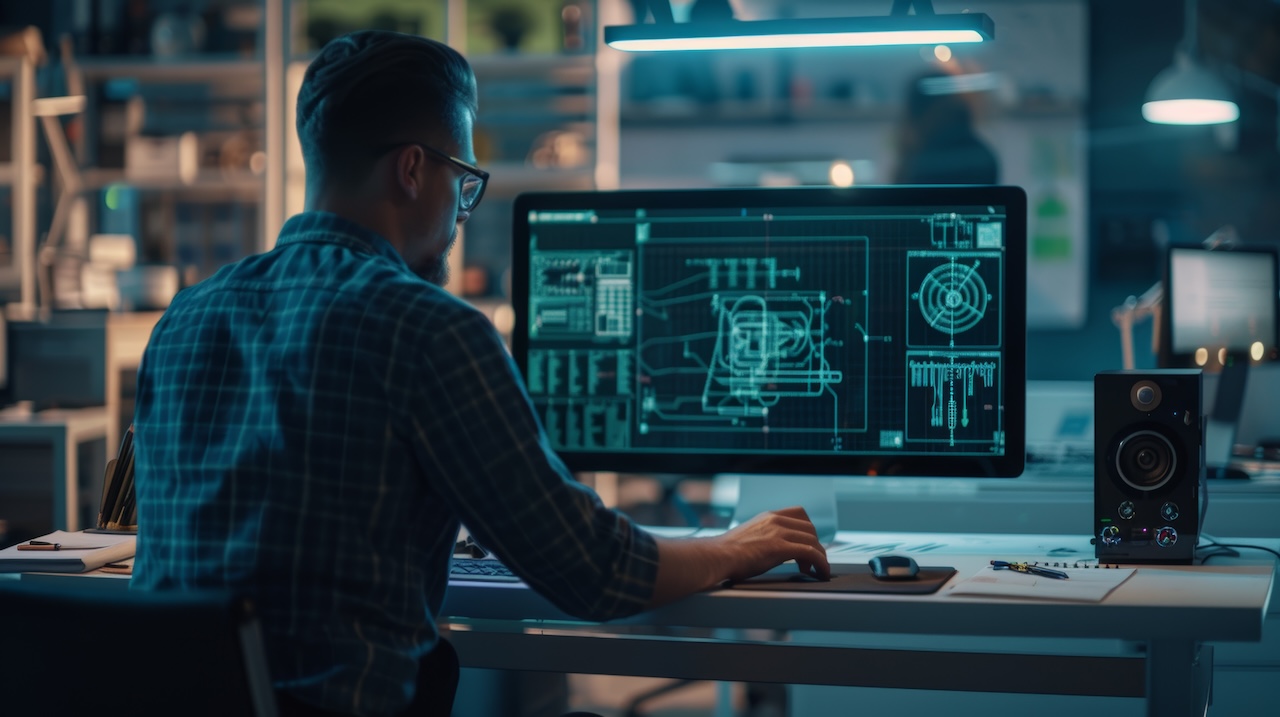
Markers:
797,33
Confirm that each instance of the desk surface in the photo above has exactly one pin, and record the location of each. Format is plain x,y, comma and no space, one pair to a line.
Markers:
18,418
1209,603
1219,603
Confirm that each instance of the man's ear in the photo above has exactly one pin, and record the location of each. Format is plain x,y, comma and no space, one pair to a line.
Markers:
408,167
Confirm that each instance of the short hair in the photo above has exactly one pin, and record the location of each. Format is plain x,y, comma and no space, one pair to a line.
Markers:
374,86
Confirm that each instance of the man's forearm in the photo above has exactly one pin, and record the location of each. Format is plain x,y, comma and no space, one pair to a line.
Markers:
687,566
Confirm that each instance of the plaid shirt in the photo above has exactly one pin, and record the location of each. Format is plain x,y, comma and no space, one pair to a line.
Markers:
312,424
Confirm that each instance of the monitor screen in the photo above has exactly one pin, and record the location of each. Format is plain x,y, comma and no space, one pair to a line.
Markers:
1219,299
876,330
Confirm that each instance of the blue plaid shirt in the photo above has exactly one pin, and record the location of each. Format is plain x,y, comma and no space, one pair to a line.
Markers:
312,424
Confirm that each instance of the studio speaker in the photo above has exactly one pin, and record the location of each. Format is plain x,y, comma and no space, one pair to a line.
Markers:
1148,465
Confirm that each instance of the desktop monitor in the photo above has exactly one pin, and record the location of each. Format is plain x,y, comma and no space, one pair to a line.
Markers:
1221,311
59,363
785,331
1219,303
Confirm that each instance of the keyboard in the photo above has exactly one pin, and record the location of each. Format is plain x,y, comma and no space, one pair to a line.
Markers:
480,569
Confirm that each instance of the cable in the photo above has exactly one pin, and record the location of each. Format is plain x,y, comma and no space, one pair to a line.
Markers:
1229,549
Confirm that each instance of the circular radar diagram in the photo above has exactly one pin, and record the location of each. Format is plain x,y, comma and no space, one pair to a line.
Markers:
953,297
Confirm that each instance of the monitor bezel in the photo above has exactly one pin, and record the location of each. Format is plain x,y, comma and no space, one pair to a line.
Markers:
1013,199
1166,355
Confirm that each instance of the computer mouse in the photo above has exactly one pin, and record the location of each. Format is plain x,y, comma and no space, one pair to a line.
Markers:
894,567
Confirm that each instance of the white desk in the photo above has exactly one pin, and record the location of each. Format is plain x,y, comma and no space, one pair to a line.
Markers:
62,431
1164,615
1169,611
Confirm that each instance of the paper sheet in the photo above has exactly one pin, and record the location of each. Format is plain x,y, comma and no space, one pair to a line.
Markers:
1083,584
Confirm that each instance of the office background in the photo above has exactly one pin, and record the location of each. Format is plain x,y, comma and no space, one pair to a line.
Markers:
183,160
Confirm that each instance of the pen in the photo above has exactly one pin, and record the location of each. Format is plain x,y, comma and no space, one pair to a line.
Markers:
1030,569
40,545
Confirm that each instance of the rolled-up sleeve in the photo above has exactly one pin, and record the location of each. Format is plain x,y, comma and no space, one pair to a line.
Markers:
486,453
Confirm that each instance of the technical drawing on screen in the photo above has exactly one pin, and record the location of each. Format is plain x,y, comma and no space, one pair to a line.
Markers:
780,328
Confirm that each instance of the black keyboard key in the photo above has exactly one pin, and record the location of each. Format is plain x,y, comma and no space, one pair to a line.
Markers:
479,569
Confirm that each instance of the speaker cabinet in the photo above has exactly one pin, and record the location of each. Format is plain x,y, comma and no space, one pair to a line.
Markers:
1149,465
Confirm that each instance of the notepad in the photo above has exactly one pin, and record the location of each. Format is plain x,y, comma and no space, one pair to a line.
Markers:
80,552
1082,585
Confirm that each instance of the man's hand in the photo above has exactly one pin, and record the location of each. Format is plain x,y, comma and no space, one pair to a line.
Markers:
690,565
772,538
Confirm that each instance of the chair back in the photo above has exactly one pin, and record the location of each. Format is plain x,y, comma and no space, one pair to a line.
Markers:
88,651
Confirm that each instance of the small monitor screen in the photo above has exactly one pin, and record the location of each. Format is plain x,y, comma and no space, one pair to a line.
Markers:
1221,299
815,330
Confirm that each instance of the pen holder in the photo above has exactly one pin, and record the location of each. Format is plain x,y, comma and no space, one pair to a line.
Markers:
117,513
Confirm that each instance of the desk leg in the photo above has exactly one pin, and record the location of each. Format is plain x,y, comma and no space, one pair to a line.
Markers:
71,469
1179,678
63,482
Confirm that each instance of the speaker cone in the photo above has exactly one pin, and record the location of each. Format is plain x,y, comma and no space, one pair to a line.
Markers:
1146,460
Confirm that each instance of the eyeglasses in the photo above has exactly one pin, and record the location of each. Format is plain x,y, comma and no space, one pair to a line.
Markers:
474,179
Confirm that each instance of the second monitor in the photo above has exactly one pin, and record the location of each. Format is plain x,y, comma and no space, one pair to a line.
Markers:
800,331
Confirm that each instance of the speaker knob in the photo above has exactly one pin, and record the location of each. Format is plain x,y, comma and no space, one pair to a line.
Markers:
1126,510
1110,535
1166,536
1169,511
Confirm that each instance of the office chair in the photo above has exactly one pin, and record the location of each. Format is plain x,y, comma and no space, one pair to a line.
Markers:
89,651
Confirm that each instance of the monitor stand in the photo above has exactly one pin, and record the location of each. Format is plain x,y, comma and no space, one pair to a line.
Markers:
816,494
1220,428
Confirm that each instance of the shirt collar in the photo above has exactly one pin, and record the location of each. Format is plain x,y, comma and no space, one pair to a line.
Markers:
329,228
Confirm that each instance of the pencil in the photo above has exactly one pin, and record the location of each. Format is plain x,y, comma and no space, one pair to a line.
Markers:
108,480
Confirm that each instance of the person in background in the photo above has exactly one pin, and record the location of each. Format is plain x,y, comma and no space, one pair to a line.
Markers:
937,143
314,423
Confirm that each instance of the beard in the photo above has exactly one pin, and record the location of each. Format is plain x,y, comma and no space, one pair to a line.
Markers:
435,269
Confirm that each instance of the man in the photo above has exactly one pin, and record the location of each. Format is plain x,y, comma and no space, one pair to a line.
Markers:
937,141
313,423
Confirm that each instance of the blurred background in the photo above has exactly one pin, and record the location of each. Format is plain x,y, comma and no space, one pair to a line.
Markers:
183,141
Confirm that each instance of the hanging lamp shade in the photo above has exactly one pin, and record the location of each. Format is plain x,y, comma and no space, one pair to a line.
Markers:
1187,93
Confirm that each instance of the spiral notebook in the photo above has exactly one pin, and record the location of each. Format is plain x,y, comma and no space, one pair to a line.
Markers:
75,553
1086,582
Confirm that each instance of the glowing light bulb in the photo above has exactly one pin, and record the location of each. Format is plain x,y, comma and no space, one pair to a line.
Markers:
841,174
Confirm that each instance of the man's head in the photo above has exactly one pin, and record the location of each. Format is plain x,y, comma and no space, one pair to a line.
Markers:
384,120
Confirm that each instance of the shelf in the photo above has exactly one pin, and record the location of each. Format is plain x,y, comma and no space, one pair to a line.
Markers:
511,178
565,69
6,174
192,69
746,113
207,181
758,113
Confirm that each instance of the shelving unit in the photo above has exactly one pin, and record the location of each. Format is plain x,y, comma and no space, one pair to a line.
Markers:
526,98
20,176
221,98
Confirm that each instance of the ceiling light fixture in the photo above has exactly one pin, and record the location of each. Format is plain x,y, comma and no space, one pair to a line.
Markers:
1185,92
898,28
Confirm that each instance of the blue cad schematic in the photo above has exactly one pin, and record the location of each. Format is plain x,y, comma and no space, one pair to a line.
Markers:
819,330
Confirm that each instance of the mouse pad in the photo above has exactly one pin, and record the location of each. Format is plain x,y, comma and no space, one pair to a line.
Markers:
848,579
